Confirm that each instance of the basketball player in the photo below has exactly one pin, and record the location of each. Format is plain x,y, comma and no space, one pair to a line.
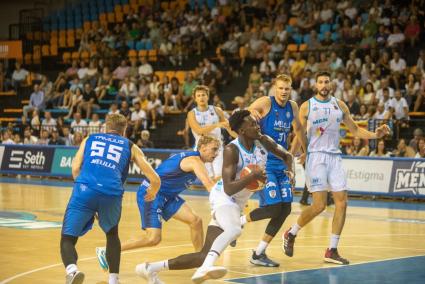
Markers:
276,114
323,114
176,173
228,197
100,168
208,120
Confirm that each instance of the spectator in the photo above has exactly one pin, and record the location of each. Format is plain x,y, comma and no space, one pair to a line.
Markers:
138,119
403,150
28,138
357,148
7,138
144,141
89,101
35,120
421,149
154,85
114,109
121,71
74,102
380,150
380,91
381,113
17,139
56,139
412,88
217,102
145,69
267,62
155,110
417,134
19,76
48,123
104,83
78,124
44,138
128,90
36,101
125,110
67,136
353,105
95,125
412,31
188,85
83,72
239,102
399,104
77,138
363,113
396,38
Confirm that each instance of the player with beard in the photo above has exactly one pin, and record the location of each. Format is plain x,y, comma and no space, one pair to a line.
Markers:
322,116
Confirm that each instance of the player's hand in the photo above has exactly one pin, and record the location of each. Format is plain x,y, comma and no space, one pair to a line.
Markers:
150,195
224,124
382,130
291,176
259,174
255,114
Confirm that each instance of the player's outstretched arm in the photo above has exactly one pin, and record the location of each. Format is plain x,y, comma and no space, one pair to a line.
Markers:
139,158
230,163
277,150
195,164
260,107
224,123
78,159
361,132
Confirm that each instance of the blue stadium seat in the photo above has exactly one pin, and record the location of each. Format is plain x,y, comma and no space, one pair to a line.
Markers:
321,36
140,45
148,44
325,28
130,44
298,38
289,29
306,39
335,36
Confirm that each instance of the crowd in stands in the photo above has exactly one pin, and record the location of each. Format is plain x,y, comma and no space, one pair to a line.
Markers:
374,50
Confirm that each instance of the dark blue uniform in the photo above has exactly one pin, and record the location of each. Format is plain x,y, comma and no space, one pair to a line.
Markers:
167,202
99,186
276,124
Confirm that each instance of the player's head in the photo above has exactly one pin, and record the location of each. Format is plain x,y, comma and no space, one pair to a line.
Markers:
323,84
283,87
208,148
244,124
201,95
116,123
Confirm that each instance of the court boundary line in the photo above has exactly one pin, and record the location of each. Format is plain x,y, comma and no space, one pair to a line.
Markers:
16,276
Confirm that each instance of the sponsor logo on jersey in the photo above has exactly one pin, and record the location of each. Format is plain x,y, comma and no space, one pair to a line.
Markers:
272,193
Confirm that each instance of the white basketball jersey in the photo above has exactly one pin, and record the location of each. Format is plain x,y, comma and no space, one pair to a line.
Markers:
257,156
205,118
323,126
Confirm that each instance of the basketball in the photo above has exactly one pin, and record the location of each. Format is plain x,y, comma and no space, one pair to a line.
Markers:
255,185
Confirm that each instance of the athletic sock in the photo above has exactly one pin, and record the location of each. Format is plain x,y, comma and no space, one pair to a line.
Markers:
262,246
294,229
70,269
334,241
113,278
243,220
158,266
209,261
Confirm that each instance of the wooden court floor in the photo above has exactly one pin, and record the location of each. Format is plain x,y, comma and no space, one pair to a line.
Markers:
31,254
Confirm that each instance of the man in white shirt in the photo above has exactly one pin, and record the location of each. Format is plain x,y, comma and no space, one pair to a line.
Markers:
396,37
78,124
95,124
397,64
19,76
145,69
384,85
48,122
399,104
6,138
138,118
28,138
387,100
381,113
266,61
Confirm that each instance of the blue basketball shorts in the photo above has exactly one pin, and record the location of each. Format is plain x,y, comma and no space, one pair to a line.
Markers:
84,204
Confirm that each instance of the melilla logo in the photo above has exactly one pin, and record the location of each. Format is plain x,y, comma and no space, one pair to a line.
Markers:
25,221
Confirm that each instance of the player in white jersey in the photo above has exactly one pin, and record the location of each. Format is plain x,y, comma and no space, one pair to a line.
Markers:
322,116
208,120
228,197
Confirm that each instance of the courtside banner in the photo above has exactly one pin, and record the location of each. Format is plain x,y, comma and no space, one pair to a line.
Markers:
368,175
19,158
408,178
62,161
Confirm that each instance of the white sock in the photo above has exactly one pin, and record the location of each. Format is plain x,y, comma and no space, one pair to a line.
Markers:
294,229
158,266
334,241
243,220
113,278
210,259
262,246
70,269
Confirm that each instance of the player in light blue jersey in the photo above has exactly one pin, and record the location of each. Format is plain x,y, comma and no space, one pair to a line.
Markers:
177,173
322,116
100,169
276,115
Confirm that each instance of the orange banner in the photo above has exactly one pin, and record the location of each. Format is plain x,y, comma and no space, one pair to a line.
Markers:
11,49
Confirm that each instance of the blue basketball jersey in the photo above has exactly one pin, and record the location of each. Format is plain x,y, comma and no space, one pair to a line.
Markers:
173,179
277,124
105,163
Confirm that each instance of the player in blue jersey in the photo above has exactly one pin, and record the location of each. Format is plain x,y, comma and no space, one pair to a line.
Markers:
176,173
276,115
100,169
